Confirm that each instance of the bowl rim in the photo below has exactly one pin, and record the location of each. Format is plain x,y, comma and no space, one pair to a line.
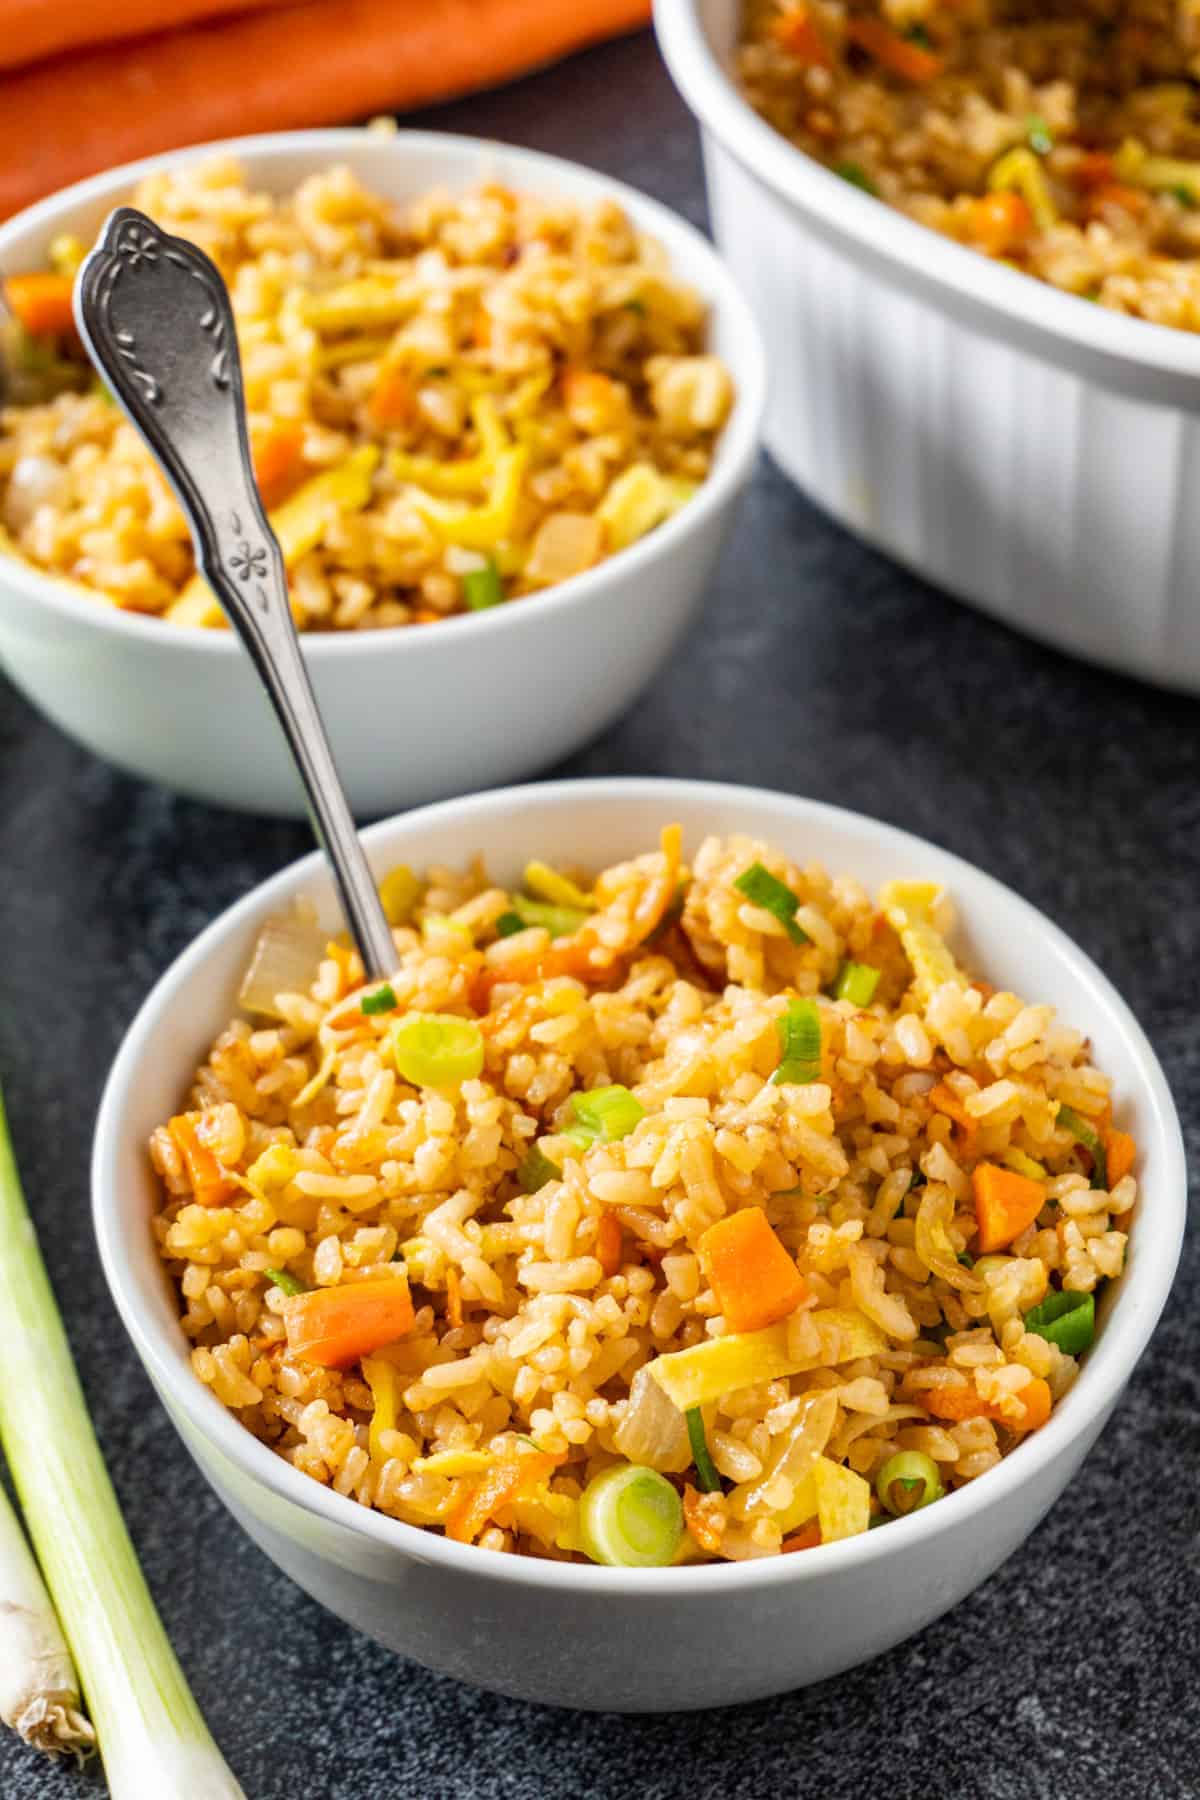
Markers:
1032,308
737,445
1134,1313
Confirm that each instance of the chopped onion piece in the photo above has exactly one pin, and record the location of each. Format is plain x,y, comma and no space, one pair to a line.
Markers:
285,961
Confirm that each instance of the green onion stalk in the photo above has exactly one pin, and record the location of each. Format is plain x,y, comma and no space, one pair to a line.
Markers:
152,1736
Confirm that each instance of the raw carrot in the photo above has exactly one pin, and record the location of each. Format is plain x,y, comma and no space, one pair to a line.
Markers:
799,35
278,464
37,28
318,62
706,1526
41,302
1120,1152
904,58
943,1099
454,1310
755,1281
807,1538
392,398
210,1184
608,1244
334,1327
1005,1203
510,1477
1000,223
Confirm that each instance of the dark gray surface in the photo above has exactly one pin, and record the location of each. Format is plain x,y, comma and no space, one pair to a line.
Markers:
817,668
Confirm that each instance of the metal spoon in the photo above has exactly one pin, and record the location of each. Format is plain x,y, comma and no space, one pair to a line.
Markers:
155,318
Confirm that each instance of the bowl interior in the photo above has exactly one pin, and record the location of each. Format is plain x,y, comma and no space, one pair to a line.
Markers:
596,823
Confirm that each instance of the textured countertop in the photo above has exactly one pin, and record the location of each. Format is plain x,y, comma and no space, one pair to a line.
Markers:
825,671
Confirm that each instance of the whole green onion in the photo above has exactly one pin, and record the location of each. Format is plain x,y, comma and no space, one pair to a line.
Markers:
153,1739
856,982
1079,1129
603,1115
707,1479
631,1518
763,889
483,587
1066,1319
382,1000
799,1043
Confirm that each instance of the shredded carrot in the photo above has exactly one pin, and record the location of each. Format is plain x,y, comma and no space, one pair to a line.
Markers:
805,1539
1005,1203
41,303
509,1477
705,1526
608,1243
661,889
797,33
904,58
210,1184
392,398
278,464
1120,1152
454,1310
334,1327
755,1281
944,1100
1000,223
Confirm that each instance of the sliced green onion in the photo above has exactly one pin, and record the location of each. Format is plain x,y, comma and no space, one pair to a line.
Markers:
856,175
559,921
382,1000
536,1171
1066,1319
483,587
707,1479
437,1049
763,889
968,1262
603,1115
856,982
287,1284
1184,195
917,34
509,923
908,1481
546,883
799,1044
631,1518
636,305
1087,1136
151,1732
1038,135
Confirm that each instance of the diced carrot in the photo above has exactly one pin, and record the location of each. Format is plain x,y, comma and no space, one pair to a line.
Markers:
1120,1151
706,1527
481,328
903,57
1000,223
798,34
586,391
608,1244
943,1099
1093,169
953,1403
454,1310
755,1281
1037,1400
1005,1203
334,1327
807,1538
392,398
41,303
1119,194
509,1477
278,465
210,1184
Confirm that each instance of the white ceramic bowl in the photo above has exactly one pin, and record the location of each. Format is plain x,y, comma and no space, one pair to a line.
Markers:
413,714
1035,454
637,1640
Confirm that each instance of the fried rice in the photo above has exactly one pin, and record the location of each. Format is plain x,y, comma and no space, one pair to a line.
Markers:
1062,139
551,1227
452,403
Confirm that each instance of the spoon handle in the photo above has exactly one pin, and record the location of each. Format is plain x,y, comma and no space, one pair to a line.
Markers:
155,316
